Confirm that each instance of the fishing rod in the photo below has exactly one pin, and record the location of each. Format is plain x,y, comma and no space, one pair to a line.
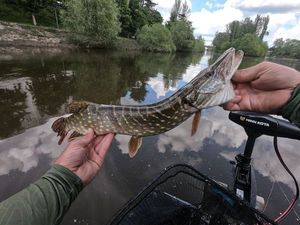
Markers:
255,125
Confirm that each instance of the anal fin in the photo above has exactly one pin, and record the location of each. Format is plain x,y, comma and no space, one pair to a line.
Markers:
74,135
195,123
134,145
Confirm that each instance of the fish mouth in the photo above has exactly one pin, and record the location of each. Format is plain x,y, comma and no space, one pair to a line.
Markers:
227,64
237,59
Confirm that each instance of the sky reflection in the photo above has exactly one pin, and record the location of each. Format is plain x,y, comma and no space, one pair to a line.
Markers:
22,152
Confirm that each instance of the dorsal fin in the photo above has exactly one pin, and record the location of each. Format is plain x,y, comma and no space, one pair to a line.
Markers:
77,106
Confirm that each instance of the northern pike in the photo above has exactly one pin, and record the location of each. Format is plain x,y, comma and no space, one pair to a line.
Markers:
211,87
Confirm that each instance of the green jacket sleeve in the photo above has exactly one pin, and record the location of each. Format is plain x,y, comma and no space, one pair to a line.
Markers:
291,110
43,202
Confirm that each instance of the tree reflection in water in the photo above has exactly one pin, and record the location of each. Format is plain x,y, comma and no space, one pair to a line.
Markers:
55,79
12,110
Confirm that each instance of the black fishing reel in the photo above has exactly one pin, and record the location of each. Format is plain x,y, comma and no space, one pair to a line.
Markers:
255,125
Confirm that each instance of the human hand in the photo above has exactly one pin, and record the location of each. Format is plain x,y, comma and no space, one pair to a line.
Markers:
85,155
265,87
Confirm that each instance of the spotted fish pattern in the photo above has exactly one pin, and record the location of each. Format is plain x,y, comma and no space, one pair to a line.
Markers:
212,86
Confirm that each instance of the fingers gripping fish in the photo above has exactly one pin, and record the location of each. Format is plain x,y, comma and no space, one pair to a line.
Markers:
211,87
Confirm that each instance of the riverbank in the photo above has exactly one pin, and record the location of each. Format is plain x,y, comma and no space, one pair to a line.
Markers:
17,37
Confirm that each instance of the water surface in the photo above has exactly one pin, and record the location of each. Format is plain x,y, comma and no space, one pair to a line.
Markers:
36,86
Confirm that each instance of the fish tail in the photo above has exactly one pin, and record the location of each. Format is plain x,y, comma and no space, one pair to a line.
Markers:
59,126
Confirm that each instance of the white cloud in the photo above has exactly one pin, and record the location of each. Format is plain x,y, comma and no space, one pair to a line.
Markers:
209,22
285,25
157,84
193,70
213,125
264,6
22,152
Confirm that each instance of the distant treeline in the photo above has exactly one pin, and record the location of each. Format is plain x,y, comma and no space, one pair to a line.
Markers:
248,35
289,48
105,20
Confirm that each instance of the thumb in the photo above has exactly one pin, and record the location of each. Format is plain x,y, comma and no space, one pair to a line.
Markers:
247,75
87,138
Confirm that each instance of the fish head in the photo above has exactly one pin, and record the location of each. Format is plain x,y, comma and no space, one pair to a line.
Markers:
213,86
225,66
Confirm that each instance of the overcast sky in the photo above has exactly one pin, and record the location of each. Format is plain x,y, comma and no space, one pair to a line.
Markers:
210,16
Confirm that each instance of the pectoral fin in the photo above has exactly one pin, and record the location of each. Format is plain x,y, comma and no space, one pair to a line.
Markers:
195,122
134,145
59,126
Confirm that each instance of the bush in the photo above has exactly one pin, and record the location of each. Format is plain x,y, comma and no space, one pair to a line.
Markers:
156,38
97,18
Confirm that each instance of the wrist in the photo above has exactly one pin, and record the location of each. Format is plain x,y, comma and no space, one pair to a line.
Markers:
64,168
61,162
65,175
292,76
291,110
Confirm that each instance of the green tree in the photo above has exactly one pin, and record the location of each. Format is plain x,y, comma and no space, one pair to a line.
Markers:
221,41
292,48
246,34
33,6
251,45
180,11
199,44
37,12
124,17
175,11
137,15
152,16
247,26
233,29
142,13
278,47
185,12
288,48
181,28
237,29
156,38
149,4
182,35
96,18
261,26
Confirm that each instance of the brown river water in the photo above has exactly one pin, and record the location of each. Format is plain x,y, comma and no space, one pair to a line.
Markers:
36,86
